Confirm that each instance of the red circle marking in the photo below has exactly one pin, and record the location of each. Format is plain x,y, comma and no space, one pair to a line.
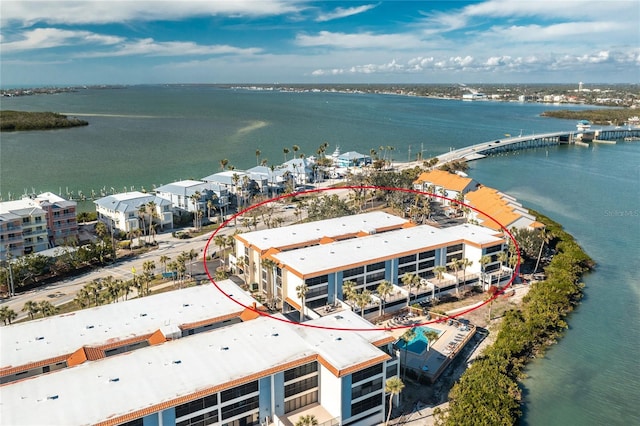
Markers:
384,188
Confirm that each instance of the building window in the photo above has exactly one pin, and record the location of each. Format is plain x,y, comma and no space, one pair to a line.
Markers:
427,254
366,404
493,249
196,405
361,375
376,266
366,388
300,386
323,279
407,259
239,391
240,407
209,418
136,422
300,371
301,401
353,272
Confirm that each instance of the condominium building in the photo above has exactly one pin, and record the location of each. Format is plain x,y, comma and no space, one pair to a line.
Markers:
440,182
34,224
365,249
254,372
494,209
210,196
128,211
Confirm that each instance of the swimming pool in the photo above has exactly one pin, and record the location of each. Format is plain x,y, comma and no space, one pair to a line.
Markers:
419,343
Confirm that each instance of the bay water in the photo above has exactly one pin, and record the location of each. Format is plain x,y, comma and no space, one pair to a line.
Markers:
144,136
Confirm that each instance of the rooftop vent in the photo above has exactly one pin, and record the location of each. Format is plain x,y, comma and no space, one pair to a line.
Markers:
337,339
184,305
114,379
40,338
224,348
143,315
89,327
177,361
52,397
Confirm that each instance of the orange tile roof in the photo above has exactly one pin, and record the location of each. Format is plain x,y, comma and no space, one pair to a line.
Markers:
444,179
489,205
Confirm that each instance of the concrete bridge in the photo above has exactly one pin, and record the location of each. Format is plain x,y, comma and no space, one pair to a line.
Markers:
481,150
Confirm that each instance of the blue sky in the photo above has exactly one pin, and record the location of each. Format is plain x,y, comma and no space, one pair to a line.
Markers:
295,41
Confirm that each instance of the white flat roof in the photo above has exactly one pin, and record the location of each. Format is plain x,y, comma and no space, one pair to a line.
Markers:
88,394
312,231
46,338
310,261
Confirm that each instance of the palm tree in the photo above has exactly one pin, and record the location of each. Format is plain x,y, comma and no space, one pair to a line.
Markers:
285,150
503,258
7,315
258,156
223,164
142,212
407,337
348,290
191,255
384,289
431,337
270,267
439,271
163,261
301,292
31,308
410,280
307,420
484,261
393,386
151,209
545,238
362,299
455,265
148,267
195,198
47,309
466,263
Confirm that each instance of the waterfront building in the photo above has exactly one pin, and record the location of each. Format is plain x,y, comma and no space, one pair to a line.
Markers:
370,259
440,182
494,209
181,195
352,159
254,372
252,247
300,169
229,179
128,210
36,223
62,223
365,249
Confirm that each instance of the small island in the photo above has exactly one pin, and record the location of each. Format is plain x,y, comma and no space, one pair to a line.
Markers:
606,117
22,120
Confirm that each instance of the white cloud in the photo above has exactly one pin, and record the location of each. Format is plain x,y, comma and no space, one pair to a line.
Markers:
45,38
118,11
364,40
504,63
150,47
341,12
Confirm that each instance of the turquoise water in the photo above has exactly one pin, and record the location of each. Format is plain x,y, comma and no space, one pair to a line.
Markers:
153,135
419,343
591,377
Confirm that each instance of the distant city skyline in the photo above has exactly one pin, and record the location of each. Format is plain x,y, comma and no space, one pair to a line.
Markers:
296,41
